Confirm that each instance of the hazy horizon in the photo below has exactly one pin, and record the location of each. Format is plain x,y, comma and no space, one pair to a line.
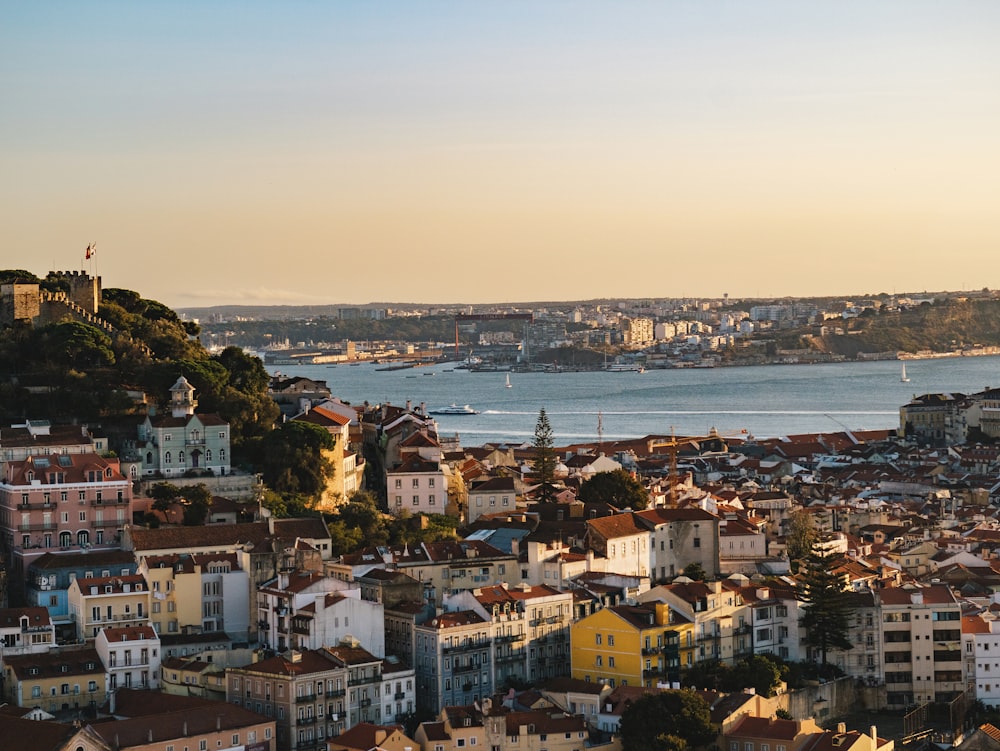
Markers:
341,153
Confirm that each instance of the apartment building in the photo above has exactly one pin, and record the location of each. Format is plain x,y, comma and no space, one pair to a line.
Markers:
61,503
922,641
55,681
104,601
452,659
131,656
628,645
203,592
529,629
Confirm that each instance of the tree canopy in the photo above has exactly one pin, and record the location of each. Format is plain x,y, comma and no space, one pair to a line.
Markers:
667,721
292,462
617,488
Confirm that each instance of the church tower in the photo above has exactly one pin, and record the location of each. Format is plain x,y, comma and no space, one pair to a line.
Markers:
182,401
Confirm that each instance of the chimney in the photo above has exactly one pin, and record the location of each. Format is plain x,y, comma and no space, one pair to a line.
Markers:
874,734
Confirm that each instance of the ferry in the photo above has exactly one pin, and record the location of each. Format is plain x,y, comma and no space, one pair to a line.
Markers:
455,409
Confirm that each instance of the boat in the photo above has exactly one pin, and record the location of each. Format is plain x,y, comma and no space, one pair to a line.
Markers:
455,409
623,367
902,375
507,383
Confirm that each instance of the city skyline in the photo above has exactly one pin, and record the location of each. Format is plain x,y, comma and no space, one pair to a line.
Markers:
351,153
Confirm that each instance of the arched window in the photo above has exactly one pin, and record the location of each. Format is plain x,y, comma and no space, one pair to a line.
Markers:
208,455
65,539
166,458
149,458
83,538
180,457
222,455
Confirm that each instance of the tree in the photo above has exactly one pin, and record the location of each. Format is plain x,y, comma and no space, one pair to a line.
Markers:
544,461
197,502
617,488
800,536
164,494
667,721
695,571
293,462
827,605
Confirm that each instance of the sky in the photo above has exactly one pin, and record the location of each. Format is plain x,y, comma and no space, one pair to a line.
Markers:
325,152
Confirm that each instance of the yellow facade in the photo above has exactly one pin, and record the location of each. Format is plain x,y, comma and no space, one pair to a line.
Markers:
629,645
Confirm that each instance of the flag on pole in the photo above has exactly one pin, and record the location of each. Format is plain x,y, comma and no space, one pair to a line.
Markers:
91,250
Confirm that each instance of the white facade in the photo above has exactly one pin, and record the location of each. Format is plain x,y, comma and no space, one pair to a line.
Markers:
131,657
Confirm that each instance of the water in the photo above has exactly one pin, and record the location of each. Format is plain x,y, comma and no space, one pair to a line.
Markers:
764,401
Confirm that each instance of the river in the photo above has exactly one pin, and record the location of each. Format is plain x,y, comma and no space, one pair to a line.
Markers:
768,400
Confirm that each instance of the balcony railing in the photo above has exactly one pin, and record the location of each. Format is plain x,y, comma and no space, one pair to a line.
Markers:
304,697
506,638
108,502
50,527
363,679
466,646
336,693
467,668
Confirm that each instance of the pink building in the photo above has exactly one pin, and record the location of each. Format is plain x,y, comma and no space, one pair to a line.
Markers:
61,502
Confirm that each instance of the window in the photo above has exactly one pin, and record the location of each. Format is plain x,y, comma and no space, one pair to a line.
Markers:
611,640
399,483
597,638
416,482
697,542
416,500
430,500
611,661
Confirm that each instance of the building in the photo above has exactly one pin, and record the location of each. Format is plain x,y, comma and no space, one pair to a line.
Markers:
131,656
61,503
49,578
922,644
104,601
199,591
628,645
452,660
623,540
25,630
304,610
182,442
349,467
55,681
491,496
679,537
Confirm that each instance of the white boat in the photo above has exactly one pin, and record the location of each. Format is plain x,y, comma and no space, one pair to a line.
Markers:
507,383
455,409
623,367
902,375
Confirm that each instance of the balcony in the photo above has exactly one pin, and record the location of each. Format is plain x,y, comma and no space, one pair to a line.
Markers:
49,527
307,720
469,667
363,703
194,441
361,680
305,697
652,673
467,646
108,502
336,693
514,657
399,696
508,638
650,651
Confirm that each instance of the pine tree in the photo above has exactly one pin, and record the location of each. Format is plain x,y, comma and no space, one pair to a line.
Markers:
544,464
827,604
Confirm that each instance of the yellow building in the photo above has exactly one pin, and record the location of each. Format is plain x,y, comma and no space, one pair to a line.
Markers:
628,645
62,679
102,601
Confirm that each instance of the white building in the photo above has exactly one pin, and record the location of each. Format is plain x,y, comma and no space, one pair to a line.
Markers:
131,656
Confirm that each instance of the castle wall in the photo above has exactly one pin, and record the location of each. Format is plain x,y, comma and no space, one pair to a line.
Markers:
18,302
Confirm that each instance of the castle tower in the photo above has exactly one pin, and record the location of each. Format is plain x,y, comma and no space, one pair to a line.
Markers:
84,290
182,401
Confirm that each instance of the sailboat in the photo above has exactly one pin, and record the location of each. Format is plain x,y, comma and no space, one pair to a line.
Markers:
902,375
507,383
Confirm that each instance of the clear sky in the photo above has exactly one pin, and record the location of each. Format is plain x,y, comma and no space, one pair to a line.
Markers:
349,152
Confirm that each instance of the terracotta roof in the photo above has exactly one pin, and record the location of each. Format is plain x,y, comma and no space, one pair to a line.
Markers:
163,726
765,727
35,735
78,662
74,468
617,525
37,617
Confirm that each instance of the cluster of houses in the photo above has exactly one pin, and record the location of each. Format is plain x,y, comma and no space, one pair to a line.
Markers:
534,629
